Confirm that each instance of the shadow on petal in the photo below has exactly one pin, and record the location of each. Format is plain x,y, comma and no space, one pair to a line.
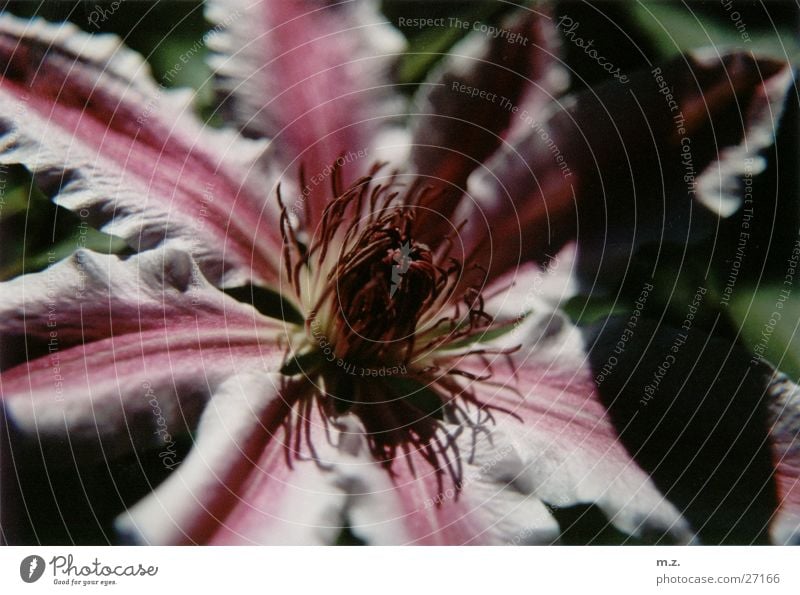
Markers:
691,410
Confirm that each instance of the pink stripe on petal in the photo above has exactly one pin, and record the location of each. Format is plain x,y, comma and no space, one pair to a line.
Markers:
81,112
237,425
784,408
614,153
266,469
466,108
290,495
562,432
312,76
480,505
114,335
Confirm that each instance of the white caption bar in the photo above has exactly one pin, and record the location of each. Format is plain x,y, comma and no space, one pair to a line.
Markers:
388,571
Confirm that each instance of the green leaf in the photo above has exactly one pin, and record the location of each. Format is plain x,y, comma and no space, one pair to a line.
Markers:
303,364
588,309
12,201
675,29
485,336
268,302
769,320
426,50
428,46
36,233
85,237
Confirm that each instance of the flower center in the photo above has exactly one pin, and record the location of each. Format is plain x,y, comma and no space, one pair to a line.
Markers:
383,284
373,295
388,319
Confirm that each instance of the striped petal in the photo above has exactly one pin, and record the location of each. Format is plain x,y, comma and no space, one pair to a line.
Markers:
542,442
470,495
312,76
82,113
616,156
267,468
118,354
466,108
567,449
784,409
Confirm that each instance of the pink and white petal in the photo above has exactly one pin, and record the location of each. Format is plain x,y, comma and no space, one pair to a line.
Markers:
469,498
236,425
252,479
784,411
333,482
464,109
122,354
616,152
534,287
83,114
719,187
312,76
569,447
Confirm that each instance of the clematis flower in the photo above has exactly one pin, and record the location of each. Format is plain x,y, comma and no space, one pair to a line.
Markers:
344,306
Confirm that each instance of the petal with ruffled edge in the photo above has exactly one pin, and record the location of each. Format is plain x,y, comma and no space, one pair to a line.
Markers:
549,413
550,426
466,493
534,287
82,113
270,467
256,476
312,76
617,152
548,444
784,410
122,353
465,108
267,468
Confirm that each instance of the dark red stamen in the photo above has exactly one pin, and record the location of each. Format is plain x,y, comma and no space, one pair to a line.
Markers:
385,301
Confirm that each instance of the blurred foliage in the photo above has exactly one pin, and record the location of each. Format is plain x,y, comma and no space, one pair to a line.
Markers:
428,45
35,232
677,27
635,34
755,309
